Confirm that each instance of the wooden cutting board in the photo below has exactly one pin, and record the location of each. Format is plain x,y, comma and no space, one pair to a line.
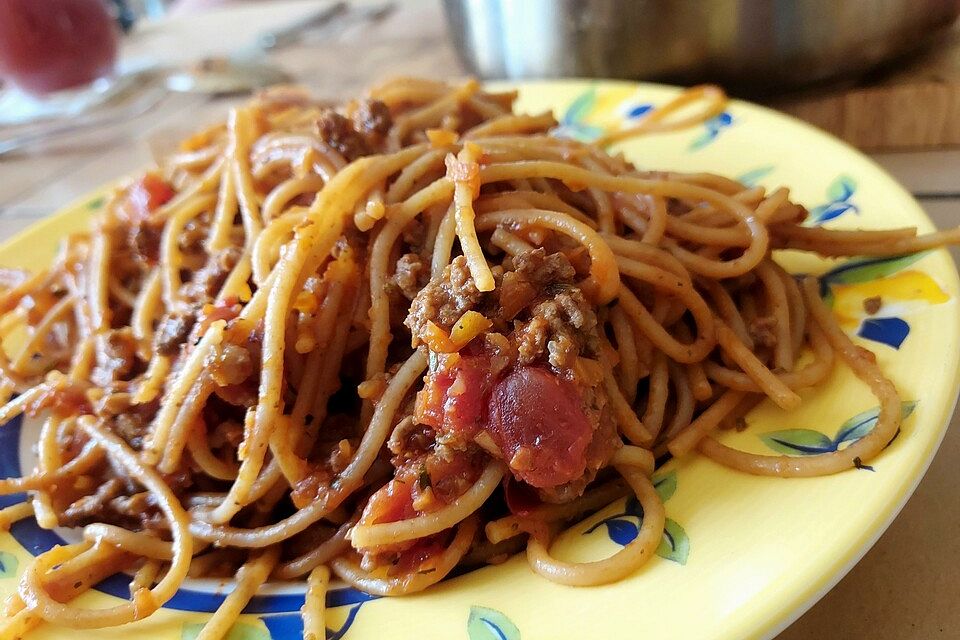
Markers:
913,105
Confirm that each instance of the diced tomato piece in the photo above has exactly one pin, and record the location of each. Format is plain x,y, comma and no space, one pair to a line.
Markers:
308,488
438,478
537,420
430,399
454,399
419,554
465,406
392,502
226,309
533,416
148,193
449,478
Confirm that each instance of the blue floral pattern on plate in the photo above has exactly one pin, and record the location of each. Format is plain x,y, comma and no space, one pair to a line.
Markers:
839,202
623,527
290,625
712,129
279,612
576,120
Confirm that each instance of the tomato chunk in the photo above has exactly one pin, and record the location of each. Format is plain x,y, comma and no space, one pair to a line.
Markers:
537,420
392,502
424,485
534,417
454,399
419,556
145,195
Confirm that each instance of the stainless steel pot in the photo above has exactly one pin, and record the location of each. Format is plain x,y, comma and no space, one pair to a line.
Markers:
742,43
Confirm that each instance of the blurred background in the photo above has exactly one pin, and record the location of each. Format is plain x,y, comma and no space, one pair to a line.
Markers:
91,90
837,64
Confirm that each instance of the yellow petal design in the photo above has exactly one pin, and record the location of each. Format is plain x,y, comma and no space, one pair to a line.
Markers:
904,287
606,110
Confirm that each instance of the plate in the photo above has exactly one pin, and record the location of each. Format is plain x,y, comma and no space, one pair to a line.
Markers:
742,556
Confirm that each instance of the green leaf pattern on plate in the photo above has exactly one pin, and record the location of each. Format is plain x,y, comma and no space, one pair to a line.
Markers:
489,624
573,123
797,441
96,203
580,108
666,485
239,631
886,328
675,544
810,442
869,269
753,177
8,565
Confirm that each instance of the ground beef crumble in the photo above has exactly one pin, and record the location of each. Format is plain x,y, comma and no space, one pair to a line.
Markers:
562,325
372,118
90,508
763,331
540,268
230,364
536,301
116,356
337,132
172,331
410,274
128,420
561,328
206,282
144,238
872,304
443,300
357,136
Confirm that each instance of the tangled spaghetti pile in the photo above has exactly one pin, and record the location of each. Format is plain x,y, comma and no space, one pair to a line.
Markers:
395,336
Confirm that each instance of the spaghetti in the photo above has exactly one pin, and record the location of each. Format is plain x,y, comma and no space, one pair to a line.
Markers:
411,332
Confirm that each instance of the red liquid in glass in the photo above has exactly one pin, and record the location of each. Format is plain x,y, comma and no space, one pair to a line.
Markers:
49,45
